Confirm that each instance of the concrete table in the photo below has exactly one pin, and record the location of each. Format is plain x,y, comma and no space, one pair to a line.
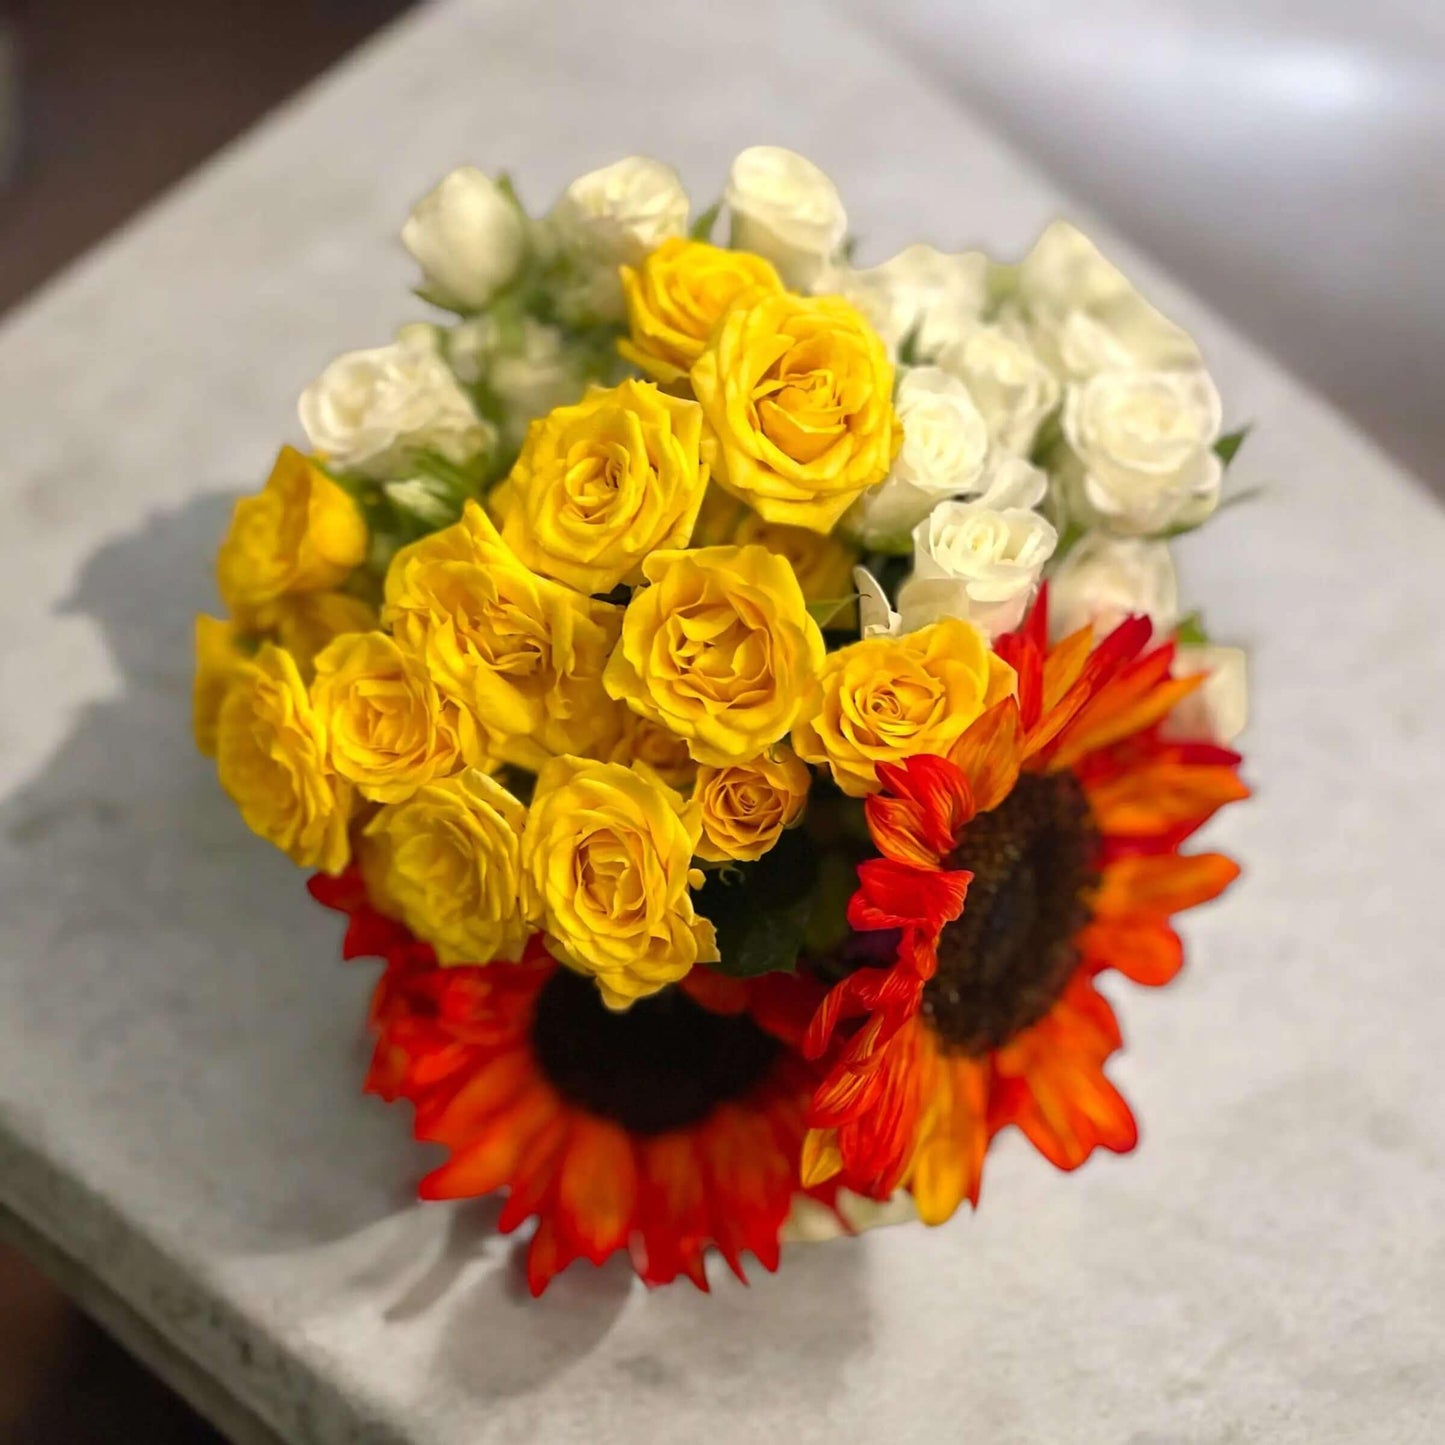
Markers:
181,1133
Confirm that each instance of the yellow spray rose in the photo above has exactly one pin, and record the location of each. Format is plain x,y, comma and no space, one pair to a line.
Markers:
606,866
644,741
888,698
300,533
521,654
746,806
719,650
387,729
271,759
447,861
220,659
676,296
822,564
601,484
798,392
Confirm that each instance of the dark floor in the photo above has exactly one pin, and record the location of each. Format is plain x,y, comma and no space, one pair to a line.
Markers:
121,97
117,99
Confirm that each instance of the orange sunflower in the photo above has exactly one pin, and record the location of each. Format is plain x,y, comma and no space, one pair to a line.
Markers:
1044,850
663,1130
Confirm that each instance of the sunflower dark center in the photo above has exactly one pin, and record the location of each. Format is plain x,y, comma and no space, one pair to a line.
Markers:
1005,960
663,1064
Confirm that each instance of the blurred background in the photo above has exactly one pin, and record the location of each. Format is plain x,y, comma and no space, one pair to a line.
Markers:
1286,158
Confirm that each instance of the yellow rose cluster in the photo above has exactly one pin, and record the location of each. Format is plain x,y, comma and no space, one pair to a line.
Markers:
593,678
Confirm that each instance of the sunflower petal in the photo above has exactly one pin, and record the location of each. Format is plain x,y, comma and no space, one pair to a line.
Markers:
989,754
1160,797
1162,884
1148,953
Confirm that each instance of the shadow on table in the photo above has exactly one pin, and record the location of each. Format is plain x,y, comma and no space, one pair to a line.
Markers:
499,1342
177,986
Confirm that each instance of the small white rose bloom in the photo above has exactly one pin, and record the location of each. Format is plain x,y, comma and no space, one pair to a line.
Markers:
370,410
1105,579
543,374
783,208
1217,710
1144,444
944,454
530,368
1007,380
468,237
1086,316
975,562
611,217
922,292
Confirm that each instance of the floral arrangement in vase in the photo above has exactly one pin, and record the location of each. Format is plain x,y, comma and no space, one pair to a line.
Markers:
742,699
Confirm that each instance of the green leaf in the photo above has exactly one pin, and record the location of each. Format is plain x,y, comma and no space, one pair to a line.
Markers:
762,910
460,481
433,504
1190,631
702,228
508,188
908,354
828,916
849,248
1226,447
826,611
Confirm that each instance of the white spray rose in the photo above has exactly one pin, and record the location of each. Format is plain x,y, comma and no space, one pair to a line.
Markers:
1144,444
976,562
1105,579
1217,710
1008,381
611,217
944,454
1086,316
927,294
784,208
468,237
370,410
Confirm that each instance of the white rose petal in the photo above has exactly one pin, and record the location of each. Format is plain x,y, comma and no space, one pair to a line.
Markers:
944,454
469,238
611,217
1009,383
1010,481
1144,444
1105,579
975,562
876,618
1217,710
370,410
1086,316
927,294
784,208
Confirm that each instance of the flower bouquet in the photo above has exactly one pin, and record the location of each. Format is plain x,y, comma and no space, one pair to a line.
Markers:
654,661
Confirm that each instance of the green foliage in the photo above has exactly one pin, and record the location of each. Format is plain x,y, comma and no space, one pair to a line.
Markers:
702,228
1228,446
1190,631
762,910
825,612
908,352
